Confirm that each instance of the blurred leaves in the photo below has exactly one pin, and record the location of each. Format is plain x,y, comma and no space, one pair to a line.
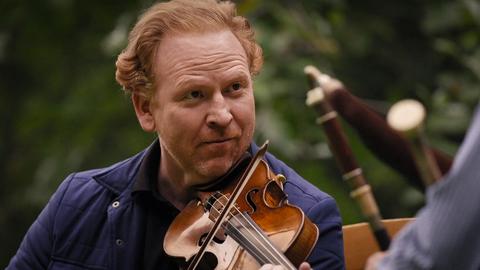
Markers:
61,110
382,51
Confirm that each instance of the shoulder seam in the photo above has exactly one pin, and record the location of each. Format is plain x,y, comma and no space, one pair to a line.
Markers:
68,181
315,198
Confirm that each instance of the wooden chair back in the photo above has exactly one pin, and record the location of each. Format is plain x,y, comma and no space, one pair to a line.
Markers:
359,242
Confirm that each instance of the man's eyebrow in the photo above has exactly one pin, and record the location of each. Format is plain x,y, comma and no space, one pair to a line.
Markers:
242,74
186,83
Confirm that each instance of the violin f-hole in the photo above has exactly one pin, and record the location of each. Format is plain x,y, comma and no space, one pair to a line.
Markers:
251,201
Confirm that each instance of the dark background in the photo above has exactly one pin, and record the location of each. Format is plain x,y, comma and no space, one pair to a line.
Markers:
62,111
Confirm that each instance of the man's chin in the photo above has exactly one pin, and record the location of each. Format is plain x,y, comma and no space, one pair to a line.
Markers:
214,168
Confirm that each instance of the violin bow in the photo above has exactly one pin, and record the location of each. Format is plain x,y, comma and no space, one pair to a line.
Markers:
382,140
351,172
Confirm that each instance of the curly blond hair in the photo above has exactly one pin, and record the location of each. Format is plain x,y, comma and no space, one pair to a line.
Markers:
135,64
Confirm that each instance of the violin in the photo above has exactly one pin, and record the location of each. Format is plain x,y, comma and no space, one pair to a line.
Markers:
244,225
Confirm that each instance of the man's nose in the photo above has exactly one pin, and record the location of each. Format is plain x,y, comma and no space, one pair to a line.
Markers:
219,114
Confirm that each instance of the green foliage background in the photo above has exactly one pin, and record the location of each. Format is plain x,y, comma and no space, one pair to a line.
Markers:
61,110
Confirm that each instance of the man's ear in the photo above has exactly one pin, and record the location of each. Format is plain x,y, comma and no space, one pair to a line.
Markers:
143,112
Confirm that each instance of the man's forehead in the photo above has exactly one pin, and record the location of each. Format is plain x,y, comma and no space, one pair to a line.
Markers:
199,50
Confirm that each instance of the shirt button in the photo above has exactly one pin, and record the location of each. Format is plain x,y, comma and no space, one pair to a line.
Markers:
115,204
119,242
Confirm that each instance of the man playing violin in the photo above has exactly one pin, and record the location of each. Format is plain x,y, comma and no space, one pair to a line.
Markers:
188,67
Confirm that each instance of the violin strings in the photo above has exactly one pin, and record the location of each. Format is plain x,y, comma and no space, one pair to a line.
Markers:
263,236
242,224
245,223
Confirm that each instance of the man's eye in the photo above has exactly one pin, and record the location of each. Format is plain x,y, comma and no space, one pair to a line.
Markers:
234,87
194,94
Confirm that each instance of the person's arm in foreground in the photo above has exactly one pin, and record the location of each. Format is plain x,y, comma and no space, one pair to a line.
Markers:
445,232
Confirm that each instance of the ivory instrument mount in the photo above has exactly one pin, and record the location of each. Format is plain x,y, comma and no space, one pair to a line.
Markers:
352,173
408,117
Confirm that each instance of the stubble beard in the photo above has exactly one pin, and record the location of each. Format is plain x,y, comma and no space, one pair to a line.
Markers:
215,167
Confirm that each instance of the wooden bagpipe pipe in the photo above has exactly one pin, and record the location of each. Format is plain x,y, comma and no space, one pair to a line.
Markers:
398,140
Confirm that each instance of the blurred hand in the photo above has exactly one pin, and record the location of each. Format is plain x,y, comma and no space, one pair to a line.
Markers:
303,266
271,267
373,260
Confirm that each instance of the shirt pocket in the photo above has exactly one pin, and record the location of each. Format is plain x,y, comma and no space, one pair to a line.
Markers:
63,264
73,256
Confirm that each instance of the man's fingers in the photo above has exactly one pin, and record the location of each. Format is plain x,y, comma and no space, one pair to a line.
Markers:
304,266
271,267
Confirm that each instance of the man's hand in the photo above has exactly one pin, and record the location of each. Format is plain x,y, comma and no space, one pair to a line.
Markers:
373,260
303,266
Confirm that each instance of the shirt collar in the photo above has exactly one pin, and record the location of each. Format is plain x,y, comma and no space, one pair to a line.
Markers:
146,178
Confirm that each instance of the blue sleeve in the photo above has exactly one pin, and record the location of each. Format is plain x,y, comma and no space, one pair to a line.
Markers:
328,251
445,233
35,250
